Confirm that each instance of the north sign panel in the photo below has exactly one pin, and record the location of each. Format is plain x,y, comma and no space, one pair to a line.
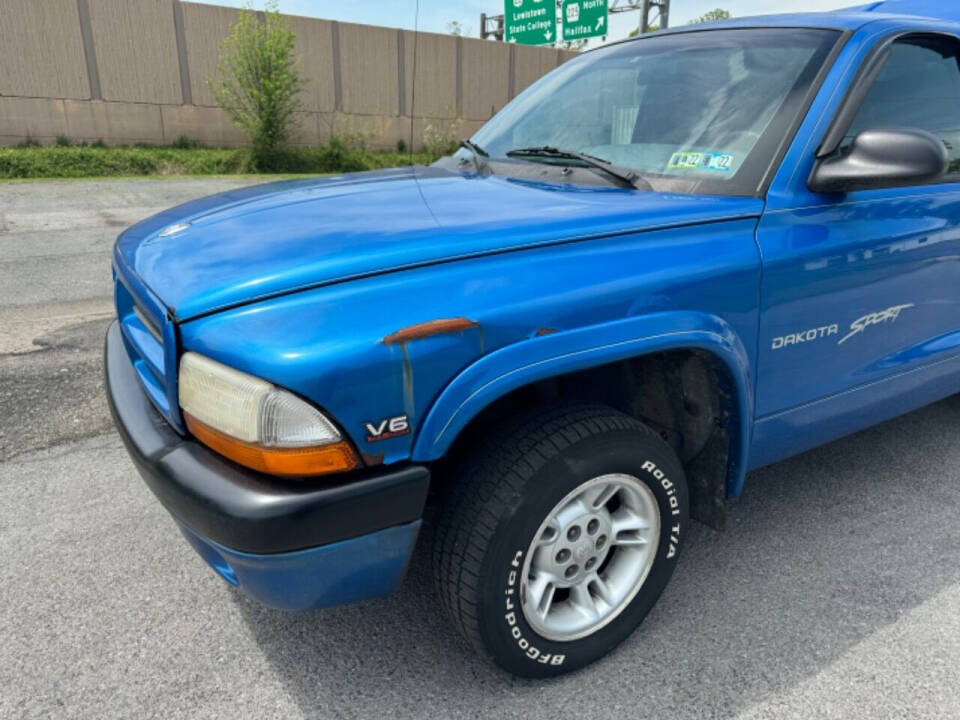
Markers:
584,19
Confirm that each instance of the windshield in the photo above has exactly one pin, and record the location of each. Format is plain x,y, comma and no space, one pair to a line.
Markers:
700,112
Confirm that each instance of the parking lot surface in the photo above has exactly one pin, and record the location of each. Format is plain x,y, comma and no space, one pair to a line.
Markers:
835,592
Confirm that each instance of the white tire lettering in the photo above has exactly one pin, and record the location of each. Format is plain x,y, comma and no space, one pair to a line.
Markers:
672,500
666,484
674,540
531,651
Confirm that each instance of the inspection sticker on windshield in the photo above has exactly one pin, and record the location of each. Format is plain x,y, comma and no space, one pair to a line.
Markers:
721,162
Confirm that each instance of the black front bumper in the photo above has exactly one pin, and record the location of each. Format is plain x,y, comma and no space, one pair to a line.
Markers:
241,509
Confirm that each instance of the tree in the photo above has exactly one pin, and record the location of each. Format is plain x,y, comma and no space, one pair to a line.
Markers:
455,27
636,30
259,82
712,16
574,45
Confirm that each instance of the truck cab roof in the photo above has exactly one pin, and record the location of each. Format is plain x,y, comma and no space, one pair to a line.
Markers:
852,18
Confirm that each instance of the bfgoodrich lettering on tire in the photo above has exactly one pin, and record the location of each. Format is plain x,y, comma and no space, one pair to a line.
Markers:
559,536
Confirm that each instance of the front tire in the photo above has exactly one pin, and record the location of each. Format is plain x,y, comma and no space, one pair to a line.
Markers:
558,537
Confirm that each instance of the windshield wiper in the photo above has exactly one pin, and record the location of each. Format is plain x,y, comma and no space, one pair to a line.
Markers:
479,154
624,175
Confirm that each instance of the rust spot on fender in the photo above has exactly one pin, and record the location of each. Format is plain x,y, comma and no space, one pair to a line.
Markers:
408,394
429,329
372,460
400,338
544,331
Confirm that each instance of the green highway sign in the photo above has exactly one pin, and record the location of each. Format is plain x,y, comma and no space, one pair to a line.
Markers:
530,22
584,19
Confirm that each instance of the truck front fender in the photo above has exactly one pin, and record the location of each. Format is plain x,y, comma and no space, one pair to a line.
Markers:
552,355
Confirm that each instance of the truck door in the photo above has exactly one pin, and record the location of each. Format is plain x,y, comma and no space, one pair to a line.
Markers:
860,291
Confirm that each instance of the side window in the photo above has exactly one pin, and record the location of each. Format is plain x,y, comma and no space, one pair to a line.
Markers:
919,87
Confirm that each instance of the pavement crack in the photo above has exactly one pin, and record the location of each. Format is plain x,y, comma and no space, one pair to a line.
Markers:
42,453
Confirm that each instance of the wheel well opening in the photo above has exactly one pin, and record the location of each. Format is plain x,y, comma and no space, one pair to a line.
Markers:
687,396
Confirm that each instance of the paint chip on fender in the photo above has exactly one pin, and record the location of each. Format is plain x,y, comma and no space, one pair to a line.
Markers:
429,329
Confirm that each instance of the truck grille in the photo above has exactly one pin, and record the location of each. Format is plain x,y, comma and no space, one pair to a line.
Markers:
150,342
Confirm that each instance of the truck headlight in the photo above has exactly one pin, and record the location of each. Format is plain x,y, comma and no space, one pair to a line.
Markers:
258,425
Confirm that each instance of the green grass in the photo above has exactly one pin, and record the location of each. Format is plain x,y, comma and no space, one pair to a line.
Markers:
265,177
65,161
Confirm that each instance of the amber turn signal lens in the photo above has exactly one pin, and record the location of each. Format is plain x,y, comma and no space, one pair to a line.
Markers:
287,462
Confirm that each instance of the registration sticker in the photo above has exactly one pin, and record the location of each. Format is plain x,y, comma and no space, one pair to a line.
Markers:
721,162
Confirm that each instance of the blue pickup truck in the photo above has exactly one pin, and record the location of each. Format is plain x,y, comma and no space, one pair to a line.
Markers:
669,262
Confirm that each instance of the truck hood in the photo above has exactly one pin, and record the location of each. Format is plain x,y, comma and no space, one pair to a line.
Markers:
257,242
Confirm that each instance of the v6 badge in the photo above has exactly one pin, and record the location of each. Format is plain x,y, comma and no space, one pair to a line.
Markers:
388,428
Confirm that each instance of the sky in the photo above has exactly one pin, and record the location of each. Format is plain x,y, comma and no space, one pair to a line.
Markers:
435,15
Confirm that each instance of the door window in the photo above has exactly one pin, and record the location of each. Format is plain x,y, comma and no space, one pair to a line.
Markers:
918,87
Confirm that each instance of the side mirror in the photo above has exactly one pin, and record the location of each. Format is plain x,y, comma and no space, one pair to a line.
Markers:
882,158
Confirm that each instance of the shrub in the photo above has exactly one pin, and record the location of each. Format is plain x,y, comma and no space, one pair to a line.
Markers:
441,137
29,142
185,143
259,83
63,141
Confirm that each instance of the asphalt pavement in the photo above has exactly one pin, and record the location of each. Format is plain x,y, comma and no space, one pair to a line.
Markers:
835,592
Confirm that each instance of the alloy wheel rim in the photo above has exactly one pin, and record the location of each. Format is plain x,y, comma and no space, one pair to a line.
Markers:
590,557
